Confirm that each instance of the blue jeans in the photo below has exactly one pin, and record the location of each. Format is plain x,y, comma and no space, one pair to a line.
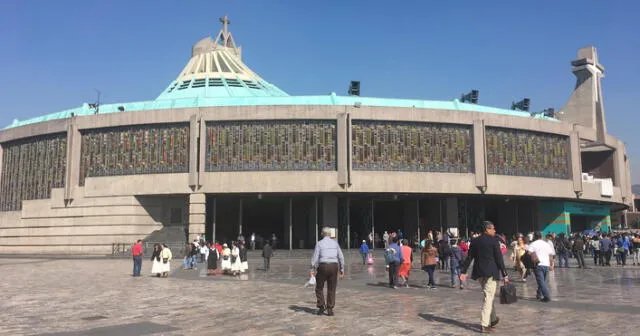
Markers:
455,272
137,265
542,273
563,256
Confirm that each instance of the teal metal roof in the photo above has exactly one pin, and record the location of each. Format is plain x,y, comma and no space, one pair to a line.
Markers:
331,99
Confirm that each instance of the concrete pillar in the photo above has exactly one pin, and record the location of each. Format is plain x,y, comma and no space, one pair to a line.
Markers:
452,212
72,171
240,210
313,222
288,223
576,162
1,169
479,155
197,214
214,215
343,152
194,131
202,150
410,220
330,211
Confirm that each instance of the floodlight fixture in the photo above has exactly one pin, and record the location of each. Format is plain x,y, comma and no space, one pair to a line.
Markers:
522,105
354,88
471,97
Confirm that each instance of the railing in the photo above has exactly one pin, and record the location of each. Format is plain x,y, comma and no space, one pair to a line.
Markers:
118,249
124,249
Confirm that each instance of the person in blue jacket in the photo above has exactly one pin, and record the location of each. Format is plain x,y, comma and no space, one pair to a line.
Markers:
364,251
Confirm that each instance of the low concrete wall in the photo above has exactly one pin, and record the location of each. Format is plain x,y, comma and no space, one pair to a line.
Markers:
87,225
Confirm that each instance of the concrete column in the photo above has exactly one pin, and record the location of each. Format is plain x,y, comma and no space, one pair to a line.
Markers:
479,155
312,224
214,210
193,151
348,222
1,169
343,129
290,223
576,162
197,214
330,211
202,150
452,212
240,210
72,171
410,220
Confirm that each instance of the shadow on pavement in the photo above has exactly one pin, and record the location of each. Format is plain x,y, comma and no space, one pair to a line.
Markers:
303,309
434,318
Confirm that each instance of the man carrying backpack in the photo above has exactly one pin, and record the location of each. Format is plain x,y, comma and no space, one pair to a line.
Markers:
393,259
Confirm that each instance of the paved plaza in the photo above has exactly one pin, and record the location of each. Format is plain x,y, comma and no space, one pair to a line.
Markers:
49,296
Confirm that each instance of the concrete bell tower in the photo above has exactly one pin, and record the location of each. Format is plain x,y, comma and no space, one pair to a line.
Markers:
585,107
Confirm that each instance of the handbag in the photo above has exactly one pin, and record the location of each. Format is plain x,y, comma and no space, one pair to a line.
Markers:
233,259
508,294
165,260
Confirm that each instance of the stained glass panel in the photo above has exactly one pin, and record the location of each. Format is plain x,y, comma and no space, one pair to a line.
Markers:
411,146
131,150
271,145
526,153
31,168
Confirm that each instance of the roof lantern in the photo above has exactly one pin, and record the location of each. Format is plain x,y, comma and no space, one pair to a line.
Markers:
216,70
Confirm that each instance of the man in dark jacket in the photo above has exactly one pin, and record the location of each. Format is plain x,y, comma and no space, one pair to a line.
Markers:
578,251
488,265
267,253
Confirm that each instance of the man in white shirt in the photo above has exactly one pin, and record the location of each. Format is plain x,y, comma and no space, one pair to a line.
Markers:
544,253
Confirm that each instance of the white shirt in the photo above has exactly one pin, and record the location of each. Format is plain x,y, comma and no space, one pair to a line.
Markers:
543,250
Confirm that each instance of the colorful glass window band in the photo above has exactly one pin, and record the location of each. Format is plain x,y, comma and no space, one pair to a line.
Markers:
31,167
131,150
271,145
411,146
526,153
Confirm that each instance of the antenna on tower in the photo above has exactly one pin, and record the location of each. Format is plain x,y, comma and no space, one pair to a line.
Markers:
96,105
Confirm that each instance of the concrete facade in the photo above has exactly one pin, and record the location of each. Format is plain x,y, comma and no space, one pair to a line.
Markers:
107,210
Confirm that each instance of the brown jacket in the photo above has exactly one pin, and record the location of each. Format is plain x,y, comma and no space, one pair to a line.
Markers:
429,256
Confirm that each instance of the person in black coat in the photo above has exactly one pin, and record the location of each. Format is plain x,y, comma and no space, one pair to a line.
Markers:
212,260
488,265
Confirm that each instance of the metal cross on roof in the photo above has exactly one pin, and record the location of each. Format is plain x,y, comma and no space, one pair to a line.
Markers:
225,24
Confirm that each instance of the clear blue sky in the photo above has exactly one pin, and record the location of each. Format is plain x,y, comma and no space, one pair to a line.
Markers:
54,53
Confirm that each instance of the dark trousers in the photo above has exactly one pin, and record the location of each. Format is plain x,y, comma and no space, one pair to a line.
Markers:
267,262
623,257
430,269
137,265
393,274
326,273
563,256
605,258
580,258
596,256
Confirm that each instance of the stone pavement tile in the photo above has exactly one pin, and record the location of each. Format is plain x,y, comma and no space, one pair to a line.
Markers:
59,295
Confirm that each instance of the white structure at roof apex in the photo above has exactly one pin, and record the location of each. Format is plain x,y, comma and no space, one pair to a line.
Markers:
224,40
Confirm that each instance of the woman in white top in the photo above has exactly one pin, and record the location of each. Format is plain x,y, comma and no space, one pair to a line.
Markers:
236,264
165,258
226,259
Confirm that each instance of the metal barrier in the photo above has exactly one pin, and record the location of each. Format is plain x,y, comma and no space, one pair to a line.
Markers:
118,249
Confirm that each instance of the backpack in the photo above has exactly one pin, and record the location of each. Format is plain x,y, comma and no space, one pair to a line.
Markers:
390,255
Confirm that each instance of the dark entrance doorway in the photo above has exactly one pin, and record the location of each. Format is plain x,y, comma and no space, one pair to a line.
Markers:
264,217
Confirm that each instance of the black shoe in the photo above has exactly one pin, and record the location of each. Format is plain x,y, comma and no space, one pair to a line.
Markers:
330,312
545,299
320,311
495,323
